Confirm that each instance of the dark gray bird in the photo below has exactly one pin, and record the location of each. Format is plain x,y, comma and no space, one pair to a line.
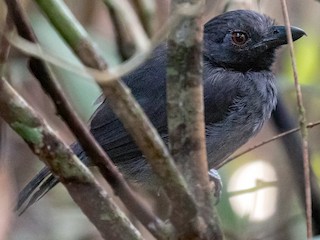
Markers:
239,95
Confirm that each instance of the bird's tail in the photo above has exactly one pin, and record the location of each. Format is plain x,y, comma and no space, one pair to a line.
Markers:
35,189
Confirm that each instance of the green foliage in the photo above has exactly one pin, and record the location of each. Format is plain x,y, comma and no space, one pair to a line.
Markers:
307,57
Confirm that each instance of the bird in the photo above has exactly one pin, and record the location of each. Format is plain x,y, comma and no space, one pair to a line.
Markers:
239,95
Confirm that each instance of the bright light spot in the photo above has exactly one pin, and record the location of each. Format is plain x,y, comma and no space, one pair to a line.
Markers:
257,205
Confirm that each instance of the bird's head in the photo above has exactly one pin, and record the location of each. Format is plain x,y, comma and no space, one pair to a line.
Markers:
244,40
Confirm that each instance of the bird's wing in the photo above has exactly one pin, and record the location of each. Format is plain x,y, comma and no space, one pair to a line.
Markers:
147,84
221,92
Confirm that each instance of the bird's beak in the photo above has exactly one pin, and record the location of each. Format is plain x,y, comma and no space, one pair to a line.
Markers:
278,36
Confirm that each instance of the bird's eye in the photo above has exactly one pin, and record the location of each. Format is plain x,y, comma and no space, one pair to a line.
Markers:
239,38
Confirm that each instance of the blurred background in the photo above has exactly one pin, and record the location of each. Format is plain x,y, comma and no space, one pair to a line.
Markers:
260,199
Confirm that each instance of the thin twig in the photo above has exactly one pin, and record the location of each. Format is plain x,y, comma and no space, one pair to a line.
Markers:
260,184
302,121
309,125
283,121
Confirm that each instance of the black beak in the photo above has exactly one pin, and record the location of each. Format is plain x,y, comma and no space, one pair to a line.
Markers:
278,36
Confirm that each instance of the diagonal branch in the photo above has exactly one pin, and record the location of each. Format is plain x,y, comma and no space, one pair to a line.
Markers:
131,115
128,17
72,173
95,152
125,47
145,10
5,45
274,138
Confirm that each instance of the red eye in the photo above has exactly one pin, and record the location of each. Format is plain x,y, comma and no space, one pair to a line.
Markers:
239,38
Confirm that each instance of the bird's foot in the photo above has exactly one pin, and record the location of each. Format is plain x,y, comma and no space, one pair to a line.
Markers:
215,177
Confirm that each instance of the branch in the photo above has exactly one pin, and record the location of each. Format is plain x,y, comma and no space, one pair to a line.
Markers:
93,149
281,135
260,184
62,18
133,118
124,43
146,12
128,17
5,45
283,121
302,120
97,155
186,117
78,180
6,180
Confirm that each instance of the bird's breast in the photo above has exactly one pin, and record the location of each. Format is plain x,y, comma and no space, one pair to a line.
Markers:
253,99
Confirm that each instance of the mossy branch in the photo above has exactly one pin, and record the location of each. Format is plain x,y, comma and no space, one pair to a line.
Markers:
186,115
78,180
51,86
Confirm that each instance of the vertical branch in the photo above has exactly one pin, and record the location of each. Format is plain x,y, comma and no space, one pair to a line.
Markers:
283,122
186,110
123,15
302,121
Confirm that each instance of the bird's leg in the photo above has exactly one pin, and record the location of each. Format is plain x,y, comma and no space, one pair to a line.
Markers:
215,177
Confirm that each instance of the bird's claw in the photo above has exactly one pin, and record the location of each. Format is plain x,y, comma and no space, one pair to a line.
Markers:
215,177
